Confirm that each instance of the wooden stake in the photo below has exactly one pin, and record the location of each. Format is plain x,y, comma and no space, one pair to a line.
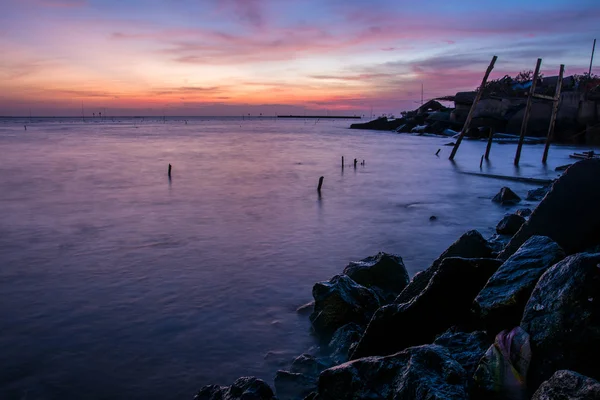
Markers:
355,161
554,113
169,170
481,162
467,124
438,152
342,162
489,144
320,184
528,110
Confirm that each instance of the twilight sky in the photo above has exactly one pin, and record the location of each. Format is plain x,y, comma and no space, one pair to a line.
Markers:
233,57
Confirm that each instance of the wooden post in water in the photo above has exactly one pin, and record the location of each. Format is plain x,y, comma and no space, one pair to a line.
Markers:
528,110
342,162
355,161
438,152
554,113
169,170
489,144
467,124
481,162
320,184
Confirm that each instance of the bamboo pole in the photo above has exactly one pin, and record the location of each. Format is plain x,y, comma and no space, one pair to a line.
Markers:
489,144
554,113
528,110
467,124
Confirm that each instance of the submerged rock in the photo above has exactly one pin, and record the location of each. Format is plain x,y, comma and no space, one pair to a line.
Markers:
344,341
339,302
524,212
568,385
302,378
424,372
444,302
510,224
247,388
466,348
384,272
537,194
501,302
506,197
563,318
569,214
469,245
502,371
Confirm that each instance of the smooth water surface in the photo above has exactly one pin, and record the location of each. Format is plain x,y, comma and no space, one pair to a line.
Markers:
118,283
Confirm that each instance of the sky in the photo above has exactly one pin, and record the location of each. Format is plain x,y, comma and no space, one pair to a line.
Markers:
239,57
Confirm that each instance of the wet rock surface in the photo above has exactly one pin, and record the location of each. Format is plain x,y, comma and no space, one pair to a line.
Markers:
470,245
501,302
383,272
506,197
424,372
444,302
568,385
537,194
524,212
339,302
563,318
465,347
344,341
510,224
569,214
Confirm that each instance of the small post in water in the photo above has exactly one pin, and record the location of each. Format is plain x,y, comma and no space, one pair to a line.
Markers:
438,152
342,162
355,161
481,163
489,144
320,184
169,170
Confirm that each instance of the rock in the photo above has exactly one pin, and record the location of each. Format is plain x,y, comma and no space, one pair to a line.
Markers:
524,212
502,371
424,372
568,385
380,124
302,378
569,214
498,242
563,318
248,388
466,348
510,224
469,245
343,340
506,197
339,302
501,302
433,218
384,272
537,194
444,302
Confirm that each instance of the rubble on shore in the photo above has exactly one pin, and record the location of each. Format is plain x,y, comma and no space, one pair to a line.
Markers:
517,318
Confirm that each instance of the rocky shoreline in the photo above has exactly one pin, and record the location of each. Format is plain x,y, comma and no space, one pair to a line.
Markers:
513,317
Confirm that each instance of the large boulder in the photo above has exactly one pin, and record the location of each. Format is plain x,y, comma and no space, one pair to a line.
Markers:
444,302
502,371
563,318
384,273
301,379
568,385
510,224
501,302
424,372
469,245
506,197
465,347
247,388
569,214
344,341
339,302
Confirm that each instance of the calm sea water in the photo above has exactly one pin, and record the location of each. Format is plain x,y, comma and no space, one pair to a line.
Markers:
117,283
